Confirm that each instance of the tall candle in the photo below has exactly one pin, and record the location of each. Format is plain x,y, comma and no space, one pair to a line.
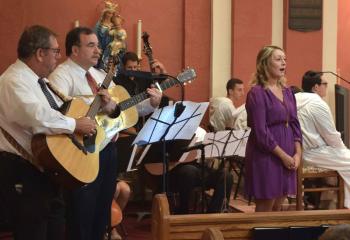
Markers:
138,40
76,23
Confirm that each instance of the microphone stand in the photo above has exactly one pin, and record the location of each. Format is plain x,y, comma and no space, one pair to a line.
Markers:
179,108
347,81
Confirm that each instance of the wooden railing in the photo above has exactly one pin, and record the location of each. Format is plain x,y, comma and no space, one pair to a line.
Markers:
233,225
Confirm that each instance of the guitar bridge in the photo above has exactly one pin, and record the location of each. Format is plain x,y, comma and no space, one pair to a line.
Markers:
77,143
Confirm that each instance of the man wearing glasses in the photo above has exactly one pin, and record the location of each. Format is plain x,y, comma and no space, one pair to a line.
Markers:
89,207
30,200
322,143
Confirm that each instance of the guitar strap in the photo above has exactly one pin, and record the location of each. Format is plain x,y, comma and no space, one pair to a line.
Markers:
54,89
20,149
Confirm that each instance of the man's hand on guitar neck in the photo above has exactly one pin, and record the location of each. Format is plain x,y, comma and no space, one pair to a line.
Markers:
107,104
85,126
155,96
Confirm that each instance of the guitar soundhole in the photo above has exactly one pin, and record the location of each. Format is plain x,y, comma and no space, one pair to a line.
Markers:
89,143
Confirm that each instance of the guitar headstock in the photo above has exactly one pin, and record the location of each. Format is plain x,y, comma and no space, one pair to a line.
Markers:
113,61
146,46
187,75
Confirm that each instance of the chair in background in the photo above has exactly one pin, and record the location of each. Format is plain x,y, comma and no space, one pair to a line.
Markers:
212,234
304,173
237,166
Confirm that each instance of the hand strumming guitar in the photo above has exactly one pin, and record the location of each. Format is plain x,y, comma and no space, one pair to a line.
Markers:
85,126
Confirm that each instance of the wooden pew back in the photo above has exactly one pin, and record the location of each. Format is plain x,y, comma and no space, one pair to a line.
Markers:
233,225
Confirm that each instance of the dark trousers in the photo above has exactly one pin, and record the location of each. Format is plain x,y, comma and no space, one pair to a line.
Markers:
89,207
185,177
30,201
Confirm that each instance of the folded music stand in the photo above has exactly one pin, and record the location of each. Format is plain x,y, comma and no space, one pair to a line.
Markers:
225,144
166,124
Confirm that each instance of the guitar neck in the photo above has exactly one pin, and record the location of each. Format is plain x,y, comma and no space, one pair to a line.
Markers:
142,96
151,61
96,104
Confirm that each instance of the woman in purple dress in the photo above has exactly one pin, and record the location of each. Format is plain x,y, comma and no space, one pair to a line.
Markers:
274,146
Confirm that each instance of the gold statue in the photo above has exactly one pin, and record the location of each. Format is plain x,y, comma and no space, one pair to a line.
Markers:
118,34
102,29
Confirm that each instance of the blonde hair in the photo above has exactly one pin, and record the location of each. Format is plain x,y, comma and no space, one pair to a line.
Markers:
262,65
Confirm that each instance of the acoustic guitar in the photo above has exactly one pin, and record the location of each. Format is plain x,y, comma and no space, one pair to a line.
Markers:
72,159
128,116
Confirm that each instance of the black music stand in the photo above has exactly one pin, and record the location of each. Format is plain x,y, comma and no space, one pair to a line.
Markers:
166,124
226,144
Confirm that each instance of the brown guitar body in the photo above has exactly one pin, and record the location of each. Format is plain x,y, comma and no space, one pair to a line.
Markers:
157,168
62,159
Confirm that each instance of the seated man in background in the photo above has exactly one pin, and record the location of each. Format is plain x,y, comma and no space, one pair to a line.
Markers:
135,85
322,143
222,110
185,177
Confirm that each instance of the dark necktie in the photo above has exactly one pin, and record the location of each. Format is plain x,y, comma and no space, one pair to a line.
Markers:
47,94
92,83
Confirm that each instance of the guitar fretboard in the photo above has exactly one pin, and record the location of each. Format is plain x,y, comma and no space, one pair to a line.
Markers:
142,96
96,104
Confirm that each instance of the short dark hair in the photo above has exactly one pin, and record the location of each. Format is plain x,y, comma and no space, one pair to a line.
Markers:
73,38
130,56
231,84
32,39
310,79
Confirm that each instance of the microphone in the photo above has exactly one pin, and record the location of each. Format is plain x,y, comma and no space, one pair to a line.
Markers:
347,81
143,75
195,147
179,108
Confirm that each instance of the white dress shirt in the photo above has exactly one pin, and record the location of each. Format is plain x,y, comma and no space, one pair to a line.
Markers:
24,109
322,143
70,79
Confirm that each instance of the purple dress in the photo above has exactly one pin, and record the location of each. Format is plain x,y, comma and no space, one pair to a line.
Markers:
272,123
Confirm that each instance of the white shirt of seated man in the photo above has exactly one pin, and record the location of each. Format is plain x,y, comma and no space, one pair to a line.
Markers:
222,110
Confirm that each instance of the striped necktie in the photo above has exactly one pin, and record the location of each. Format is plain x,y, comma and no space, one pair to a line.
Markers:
47,94
92,83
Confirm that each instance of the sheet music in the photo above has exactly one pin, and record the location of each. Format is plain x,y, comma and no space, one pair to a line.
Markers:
183,128
236,144
186,157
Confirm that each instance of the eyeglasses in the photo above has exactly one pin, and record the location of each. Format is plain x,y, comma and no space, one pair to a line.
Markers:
56,51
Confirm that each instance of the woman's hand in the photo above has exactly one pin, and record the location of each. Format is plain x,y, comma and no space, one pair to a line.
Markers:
288,162
297,159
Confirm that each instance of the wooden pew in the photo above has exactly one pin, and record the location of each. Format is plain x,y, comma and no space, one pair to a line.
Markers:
233,225
212,234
